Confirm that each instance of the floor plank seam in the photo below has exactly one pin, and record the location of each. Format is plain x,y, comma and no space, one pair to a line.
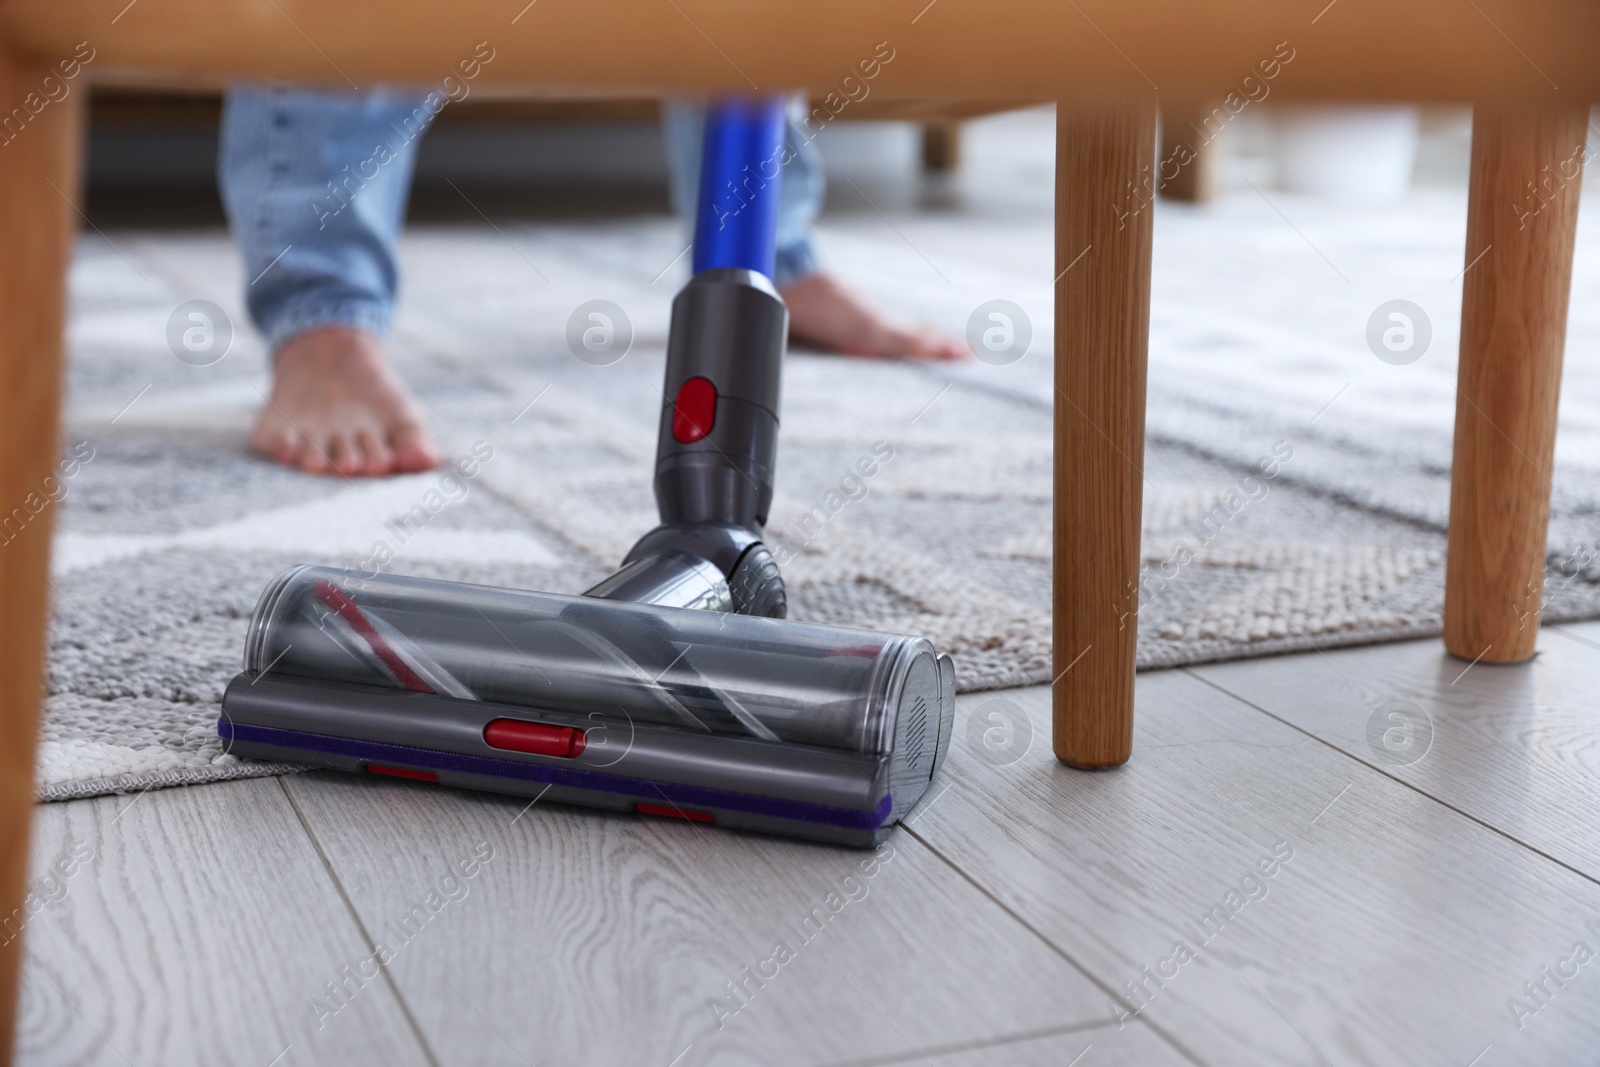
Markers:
1110,993
998,1041
366,935
1569,635
1564,865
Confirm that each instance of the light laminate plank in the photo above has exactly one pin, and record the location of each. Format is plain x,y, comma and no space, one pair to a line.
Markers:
1514,745
1133,1043
592,938
1397,932
193,928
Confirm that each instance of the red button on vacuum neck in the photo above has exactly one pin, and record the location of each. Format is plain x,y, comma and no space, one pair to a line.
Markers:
695,410
515,735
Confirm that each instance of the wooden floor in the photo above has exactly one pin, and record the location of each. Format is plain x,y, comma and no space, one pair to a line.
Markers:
1408,902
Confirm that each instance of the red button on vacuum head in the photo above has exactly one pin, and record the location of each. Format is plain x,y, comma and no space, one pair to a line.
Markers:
515,735
673,812
402,772
695,410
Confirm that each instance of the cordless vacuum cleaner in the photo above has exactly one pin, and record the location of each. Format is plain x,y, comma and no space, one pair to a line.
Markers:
674,687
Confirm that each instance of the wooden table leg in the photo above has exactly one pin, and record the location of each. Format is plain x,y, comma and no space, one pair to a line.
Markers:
1522,217
941,145
1105,159
1192,144
36,228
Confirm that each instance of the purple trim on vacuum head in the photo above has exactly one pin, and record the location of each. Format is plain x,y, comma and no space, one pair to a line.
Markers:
676,792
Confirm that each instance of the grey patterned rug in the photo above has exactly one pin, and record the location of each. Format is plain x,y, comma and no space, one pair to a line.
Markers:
169,532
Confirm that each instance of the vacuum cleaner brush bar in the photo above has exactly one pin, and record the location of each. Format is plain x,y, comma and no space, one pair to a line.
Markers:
822,732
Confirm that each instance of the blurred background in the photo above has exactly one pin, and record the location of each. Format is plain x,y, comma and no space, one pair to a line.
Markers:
152,157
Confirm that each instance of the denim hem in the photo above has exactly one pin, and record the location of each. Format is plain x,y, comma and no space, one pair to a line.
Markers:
360,314
795,263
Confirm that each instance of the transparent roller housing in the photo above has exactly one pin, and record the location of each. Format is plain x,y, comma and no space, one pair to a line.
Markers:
711,672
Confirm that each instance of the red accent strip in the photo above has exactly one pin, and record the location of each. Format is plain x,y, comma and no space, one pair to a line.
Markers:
402,772
694,411
517,735
864,651
673,813
346,609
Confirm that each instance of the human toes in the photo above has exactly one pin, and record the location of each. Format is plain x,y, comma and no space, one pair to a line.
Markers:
277,442
315,452
274,438
345,454
414,450
888,340
374,447
935,346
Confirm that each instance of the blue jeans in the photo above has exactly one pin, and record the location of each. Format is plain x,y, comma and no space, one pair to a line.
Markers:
316,183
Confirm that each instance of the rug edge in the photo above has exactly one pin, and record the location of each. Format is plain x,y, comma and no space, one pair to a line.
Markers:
124,784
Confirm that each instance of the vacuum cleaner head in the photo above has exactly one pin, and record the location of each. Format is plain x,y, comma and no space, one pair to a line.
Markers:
821,732
674,687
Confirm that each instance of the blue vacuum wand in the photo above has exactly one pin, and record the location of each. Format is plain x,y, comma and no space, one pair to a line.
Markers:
674,687
736,216
718,439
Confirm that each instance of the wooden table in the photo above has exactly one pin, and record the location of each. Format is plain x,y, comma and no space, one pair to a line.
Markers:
1529,68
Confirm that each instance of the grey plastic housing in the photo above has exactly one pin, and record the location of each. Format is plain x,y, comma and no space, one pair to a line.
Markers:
670,578
730,327
814,731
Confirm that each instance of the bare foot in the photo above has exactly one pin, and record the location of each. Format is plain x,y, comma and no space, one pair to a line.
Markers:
824,313
338,407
